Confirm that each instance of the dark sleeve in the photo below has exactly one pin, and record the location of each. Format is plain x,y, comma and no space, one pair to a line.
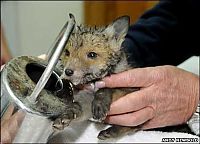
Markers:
162,36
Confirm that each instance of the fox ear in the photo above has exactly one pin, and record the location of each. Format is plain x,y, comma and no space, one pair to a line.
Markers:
118,28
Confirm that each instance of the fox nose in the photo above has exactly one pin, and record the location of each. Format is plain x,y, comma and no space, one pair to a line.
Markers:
69,72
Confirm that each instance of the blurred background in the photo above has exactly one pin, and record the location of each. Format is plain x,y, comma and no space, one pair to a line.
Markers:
30,27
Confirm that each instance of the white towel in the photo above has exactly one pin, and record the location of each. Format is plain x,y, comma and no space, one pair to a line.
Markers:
87,131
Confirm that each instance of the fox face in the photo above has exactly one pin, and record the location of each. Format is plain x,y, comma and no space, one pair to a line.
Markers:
93,52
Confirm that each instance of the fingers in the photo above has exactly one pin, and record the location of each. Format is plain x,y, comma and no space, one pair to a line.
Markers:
132,119
8,130
130,102
5,135
15,123
10,124
8,113
19,116
140,77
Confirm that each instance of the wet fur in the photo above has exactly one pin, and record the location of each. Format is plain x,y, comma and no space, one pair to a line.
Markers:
101,40
106,43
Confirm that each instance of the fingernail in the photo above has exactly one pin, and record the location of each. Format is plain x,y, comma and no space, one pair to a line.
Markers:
99,84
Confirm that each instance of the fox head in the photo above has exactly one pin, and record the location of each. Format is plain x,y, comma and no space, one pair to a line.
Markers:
93,52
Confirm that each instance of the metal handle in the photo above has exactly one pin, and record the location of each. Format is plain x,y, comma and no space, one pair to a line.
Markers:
53,57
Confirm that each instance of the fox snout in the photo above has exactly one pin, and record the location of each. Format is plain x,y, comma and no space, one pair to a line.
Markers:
93,53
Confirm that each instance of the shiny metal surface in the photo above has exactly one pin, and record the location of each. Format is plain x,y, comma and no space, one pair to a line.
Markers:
54,57
36,127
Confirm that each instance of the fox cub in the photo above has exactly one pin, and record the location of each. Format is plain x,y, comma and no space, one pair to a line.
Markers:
91,54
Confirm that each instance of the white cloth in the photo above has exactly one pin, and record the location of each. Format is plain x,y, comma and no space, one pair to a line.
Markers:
87,131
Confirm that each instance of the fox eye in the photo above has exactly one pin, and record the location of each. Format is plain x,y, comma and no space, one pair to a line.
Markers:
92,55
67,52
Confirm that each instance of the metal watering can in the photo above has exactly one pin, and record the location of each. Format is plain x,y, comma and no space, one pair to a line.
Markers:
29,83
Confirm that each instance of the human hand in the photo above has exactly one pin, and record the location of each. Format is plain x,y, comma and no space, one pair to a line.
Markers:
168,96
10,123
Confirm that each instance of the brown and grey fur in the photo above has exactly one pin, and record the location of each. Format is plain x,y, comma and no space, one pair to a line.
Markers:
99,40
106,43
110,58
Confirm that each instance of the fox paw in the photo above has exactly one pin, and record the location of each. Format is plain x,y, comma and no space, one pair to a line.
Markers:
107,134
117,131
72,112
99,110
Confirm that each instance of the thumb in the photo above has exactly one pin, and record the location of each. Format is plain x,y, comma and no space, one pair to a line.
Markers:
139,77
